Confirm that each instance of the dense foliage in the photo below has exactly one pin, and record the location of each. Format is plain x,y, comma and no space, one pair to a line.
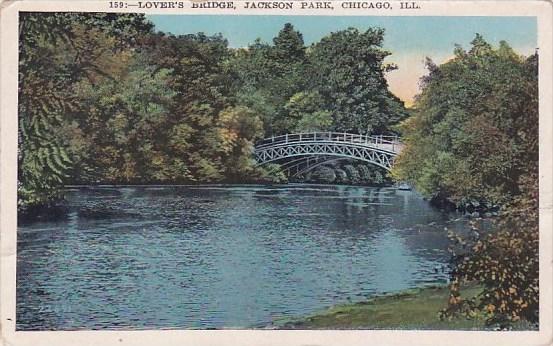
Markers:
348,73
473,140
474,130
336,84
505,262
105,99
57,51
352,173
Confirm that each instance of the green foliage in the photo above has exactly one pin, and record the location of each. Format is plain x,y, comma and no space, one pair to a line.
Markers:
288,46
314,122
341,176
345,172
378,177
364,173
323,174
104,99
269,75
337,84
54,56
463,141
505,262
305,114
134,104
239,127
269,173
208,135
352,173
346,68
474,137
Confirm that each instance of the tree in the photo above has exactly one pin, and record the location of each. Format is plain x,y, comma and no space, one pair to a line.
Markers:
239,127
123,122
53,57
347,69
506,262
305,114
473,137
204,89
462,142
288,46
269,75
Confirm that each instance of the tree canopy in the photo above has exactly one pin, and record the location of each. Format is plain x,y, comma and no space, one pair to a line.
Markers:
347,69
335,84
56,52
473,133
105,99
473,141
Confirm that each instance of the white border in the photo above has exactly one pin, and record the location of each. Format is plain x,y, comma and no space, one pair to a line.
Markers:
543,10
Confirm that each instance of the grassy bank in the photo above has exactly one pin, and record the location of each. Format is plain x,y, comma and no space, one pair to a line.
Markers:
413,309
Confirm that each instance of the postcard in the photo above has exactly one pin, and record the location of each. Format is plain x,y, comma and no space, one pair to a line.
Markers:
276,172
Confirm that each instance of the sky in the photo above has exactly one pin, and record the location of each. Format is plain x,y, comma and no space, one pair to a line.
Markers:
409,39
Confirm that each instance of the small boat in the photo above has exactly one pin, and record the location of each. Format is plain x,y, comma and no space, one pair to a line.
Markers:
403,187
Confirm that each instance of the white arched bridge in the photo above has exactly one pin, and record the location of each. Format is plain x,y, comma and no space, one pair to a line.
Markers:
299,153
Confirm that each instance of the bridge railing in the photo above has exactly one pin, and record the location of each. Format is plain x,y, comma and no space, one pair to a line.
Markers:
328,136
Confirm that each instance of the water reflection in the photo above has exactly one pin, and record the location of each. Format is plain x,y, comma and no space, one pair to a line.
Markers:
221,256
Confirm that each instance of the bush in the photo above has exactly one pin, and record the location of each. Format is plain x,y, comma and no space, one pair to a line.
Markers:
378,178
322,174
505,262
364,173
269,173
352,173
341,176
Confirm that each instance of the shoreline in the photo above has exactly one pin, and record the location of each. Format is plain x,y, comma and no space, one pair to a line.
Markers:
78,186
412,309
56,209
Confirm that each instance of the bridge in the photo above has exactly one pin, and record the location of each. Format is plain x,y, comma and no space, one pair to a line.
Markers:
299,153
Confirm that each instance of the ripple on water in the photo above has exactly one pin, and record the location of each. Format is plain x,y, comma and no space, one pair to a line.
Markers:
203,257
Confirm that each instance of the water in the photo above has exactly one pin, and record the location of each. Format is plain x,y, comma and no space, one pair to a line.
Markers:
222,256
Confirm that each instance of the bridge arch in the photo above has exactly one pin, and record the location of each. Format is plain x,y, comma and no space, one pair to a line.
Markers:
309,167
377,150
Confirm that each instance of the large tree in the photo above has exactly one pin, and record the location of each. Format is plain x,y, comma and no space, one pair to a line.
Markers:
270,75
209,134
57,51
347,69
472,133
474,138
118,134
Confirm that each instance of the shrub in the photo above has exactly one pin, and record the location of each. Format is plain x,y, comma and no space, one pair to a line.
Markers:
341,176
505,261
364,173
352,173
322,174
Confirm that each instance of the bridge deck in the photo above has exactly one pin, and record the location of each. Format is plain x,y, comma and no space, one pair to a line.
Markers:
378,150
388,143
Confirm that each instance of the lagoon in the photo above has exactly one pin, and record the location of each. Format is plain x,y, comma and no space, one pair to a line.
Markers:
223,256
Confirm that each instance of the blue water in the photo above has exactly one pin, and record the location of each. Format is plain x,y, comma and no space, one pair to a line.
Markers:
222,256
